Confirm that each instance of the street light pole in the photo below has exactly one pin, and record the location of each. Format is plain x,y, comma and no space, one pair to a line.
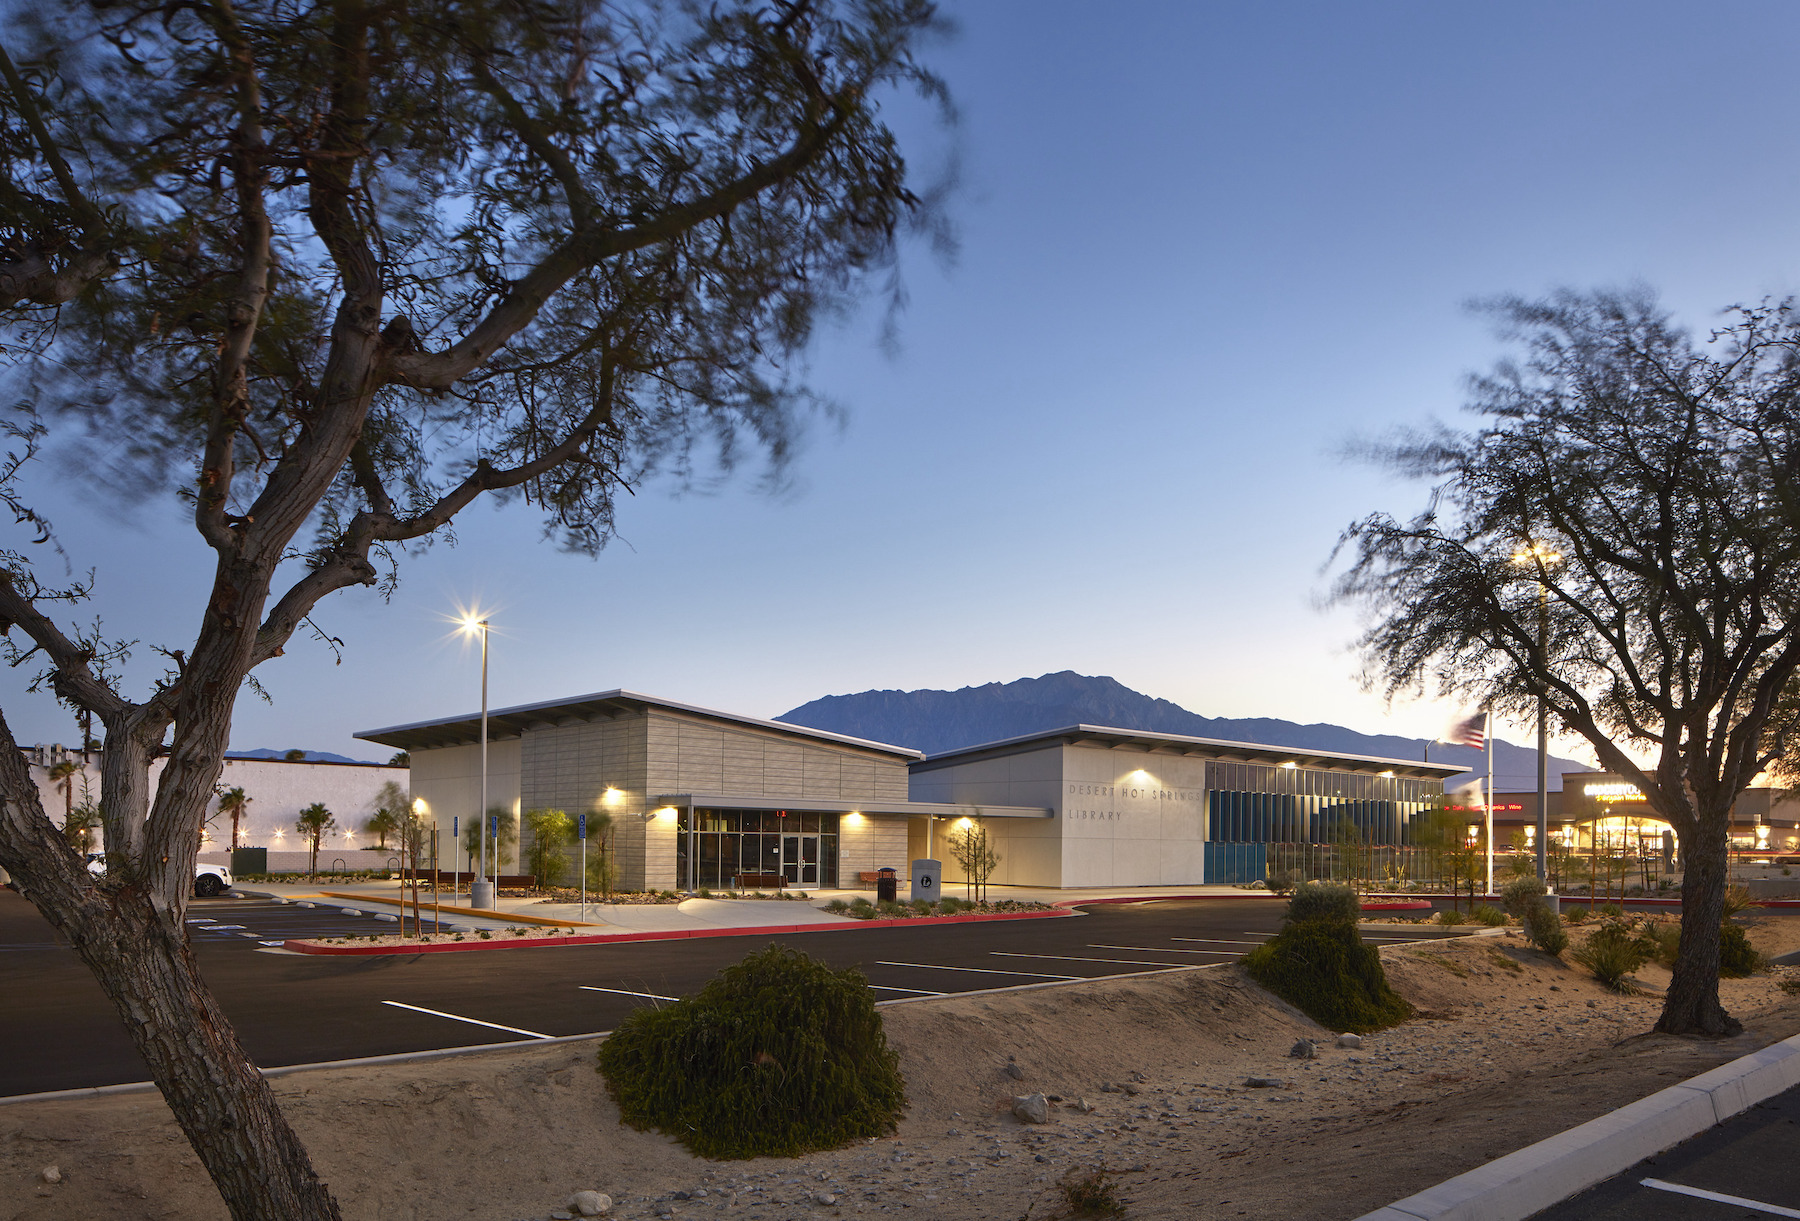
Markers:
481,890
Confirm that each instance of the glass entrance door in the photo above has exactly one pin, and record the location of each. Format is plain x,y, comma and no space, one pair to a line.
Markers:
800,859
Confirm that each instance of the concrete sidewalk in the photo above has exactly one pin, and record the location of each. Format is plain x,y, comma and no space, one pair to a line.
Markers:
690,915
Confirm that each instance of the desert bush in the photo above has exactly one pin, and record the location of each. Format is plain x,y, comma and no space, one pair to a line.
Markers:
948,906
1323,901
837,907
1324,969
1090,1193
1666,938
1488,914
1517,894
1451,916
1610,911
1612,952
1280,881
1544,929
1737,898
777,1056
1737,957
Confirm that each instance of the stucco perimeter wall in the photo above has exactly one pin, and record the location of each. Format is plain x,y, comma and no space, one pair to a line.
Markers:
1131,818
448,780
1031,852
278,791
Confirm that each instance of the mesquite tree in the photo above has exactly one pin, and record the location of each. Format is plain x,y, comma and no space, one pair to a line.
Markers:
333,270
1621,538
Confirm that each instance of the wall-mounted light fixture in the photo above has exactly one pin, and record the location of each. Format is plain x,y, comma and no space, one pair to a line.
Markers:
1290,765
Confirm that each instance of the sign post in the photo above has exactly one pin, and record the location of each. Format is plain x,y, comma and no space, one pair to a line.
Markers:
581,834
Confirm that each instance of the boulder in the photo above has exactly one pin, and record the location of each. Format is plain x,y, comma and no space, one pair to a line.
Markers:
590,1203
1031,1108
1264,1083
1304,1049
50,1174
1349,1040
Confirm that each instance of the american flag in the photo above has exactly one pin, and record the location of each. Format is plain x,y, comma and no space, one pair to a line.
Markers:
1470,732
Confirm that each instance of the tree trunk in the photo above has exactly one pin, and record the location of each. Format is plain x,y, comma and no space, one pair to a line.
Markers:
222,1102
1692,1006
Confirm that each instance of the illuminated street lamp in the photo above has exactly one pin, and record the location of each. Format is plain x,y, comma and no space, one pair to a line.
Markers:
481,890
1541,558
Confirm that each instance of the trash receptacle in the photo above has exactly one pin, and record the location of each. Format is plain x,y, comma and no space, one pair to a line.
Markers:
249,860
887,885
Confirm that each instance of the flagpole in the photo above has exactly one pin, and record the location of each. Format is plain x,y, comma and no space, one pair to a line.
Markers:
1487,746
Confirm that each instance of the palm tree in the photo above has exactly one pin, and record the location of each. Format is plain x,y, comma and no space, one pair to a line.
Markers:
236,803
313,822
64,774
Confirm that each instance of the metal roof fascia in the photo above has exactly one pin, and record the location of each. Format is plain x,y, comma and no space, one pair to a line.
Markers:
1073,735
728,801
651,701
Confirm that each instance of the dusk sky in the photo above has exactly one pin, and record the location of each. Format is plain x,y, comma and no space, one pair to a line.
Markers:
1203,246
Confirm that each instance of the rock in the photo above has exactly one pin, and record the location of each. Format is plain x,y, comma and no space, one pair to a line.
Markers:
50,1174
561,1214
1349,1040
1304,1049
1031,1108
590,1203
1107,1087
1264,1083
825,1197
1084,1106
1014,1071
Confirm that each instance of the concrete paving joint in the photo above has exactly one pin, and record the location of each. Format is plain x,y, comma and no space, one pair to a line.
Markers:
1530,1180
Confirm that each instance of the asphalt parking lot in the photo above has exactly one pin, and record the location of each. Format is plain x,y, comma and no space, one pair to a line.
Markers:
299,1009
1745,1167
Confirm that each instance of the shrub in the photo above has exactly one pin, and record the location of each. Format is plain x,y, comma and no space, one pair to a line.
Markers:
837,906
1281,881
1737,898
1451,916
1520,893
1737,957
1090,1193
1543,929
1324,969
948,906
1611,952
1489,915
778,1056
1611,911
1666,942
1323,901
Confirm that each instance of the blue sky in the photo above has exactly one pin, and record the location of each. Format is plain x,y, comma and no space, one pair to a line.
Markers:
1202,247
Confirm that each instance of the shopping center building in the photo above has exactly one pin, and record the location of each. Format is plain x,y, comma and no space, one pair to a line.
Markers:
703,798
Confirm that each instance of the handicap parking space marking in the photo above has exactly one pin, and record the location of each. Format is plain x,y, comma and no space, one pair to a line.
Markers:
1718,1197
1124,962
457,1017
933,966
624,992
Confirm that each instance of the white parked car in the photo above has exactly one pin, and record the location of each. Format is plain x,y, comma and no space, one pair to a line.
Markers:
210,881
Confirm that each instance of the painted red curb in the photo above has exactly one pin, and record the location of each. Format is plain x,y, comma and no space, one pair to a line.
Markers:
1415,906
1248,894
445,947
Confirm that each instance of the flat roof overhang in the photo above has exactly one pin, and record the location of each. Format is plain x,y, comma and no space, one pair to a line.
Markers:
1185,745
512,722
931,809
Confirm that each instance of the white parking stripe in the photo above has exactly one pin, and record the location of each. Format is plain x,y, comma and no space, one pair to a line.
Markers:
1718,1197
1216,940
1124,962
932,966
622,992
917,991
1157,949
456,1017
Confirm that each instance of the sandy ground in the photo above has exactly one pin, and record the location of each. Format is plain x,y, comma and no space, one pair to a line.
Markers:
1510,1048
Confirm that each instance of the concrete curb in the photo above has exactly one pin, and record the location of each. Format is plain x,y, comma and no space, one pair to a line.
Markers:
1521,1184
756,930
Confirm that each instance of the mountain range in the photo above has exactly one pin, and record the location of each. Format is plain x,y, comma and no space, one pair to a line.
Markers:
312,756
939,721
